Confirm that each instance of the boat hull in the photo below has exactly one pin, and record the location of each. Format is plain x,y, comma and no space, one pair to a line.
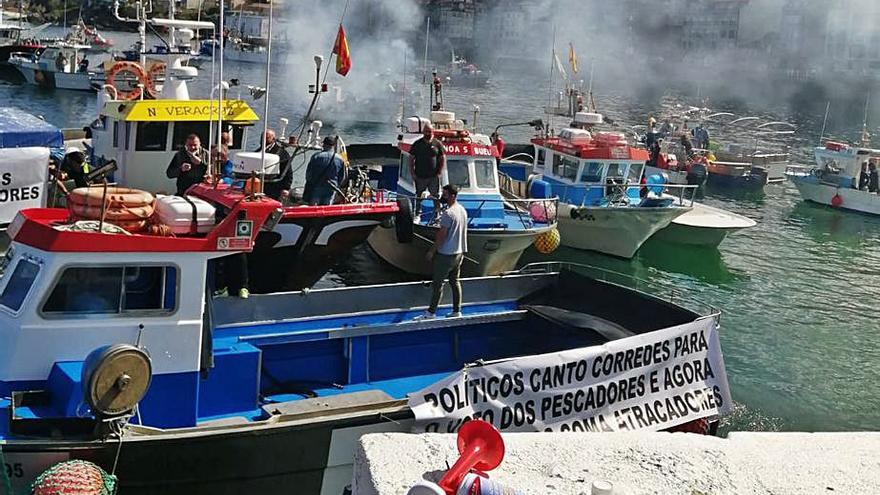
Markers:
851,199
6,51
704,226
490,252
78,81
615,231
738,176
692,236
316,457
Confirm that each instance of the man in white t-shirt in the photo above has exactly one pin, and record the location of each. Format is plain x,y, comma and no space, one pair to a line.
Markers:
447,253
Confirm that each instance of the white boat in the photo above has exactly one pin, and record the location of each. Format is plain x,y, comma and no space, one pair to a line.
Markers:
834,180
499,230
704,225
56,67
597,176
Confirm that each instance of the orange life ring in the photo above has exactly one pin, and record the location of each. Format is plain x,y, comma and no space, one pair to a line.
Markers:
119,196
153,74
133,68
113,212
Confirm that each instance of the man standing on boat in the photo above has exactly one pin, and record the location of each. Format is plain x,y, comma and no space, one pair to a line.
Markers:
189,165
447,252
278,189
427,165
324,173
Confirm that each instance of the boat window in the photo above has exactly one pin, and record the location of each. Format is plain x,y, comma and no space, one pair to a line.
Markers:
115,133
113,290
615,170
557,164
635,173
405,164
127,135
151,136
184,129
570,168
457,171
485,171
540,157
20,283
592,172
237,136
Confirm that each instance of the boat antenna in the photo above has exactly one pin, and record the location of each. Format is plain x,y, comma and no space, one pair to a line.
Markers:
403,105
425,60
266,101
222,35
592,102
866,136
824,121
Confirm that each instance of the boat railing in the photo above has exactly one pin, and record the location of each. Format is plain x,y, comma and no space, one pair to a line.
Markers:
655,288
616,194
528,211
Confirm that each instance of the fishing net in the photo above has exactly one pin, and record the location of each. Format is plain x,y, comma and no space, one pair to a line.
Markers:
74,477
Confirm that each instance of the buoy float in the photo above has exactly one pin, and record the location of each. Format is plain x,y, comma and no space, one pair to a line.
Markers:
74,477
542,211
133,68
123,207
156,70
836,201
548,242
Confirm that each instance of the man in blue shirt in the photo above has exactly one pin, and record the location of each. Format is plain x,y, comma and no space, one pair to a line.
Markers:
324,174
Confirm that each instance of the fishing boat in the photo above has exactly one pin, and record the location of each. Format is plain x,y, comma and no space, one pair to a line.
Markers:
499,230
55,67
834,179
598,177
141,136
113,351
13,41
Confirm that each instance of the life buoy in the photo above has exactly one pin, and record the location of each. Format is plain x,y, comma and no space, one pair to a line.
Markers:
156,70
123,196
133,68
113,213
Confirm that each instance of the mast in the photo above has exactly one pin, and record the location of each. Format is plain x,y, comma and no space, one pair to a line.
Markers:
222,37
425,60
550,85
824,121
866,136
266,102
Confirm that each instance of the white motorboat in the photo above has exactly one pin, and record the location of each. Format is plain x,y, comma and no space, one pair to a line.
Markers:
704,225
834,181
56,67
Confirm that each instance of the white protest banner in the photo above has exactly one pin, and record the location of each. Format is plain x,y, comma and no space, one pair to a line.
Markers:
651,382
23,175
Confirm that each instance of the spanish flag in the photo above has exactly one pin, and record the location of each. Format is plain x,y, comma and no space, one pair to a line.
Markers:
572,58
340,49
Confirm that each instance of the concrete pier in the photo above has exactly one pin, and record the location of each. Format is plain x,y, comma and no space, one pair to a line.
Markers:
637,463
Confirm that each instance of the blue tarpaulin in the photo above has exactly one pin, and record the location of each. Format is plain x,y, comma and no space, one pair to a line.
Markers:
19,129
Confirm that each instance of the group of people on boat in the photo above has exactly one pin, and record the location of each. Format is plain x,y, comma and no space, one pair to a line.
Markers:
868,177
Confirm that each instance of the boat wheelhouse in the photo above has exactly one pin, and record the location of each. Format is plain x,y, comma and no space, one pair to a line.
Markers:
499,230
11,41
244,394
604,204
56,66
835,179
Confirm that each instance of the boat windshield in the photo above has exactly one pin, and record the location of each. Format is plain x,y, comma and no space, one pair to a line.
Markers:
19,284
457,171
485,172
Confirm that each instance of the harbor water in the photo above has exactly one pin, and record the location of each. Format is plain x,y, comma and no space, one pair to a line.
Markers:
800,292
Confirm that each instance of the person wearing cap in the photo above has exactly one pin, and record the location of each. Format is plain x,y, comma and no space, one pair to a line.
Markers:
324,173
447,252
428,160
75,167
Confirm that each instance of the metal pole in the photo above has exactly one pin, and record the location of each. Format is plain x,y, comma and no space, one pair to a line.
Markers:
266,102
425,61
220,75
824,121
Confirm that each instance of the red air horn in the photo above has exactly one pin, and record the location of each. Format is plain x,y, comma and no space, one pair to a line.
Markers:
481,447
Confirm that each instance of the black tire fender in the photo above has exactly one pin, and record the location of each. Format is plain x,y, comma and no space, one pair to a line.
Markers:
403,221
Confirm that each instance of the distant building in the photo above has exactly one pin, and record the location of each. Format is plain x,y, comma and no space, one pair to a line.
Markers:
852,37
512,33
710,24
452,25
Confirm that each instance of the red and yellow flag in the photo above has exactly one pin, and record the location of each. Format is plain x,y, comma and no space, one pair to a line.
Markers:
572,58
340,49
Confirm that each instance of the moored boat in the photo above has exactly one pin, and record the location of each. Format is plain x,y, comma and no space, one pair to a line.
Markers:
249,394
12,41
598,177
836,178
499,230
55,67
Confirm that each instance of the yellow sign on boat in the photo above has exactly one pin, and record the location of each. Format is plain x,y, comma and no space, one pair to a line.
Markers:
180,111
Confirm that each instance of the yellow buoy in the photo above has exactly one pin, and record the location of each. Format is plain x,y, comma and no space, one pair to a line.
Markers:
547,242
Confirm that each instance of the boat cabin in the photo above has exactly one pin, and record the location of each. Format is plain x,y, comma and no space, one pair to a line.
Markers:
60,57
65,292
470,165
587,167
144,135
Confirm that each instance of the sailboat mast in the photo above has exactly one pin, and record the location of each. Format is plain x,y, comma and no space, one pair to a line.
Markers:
550,85
222,38
425,60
